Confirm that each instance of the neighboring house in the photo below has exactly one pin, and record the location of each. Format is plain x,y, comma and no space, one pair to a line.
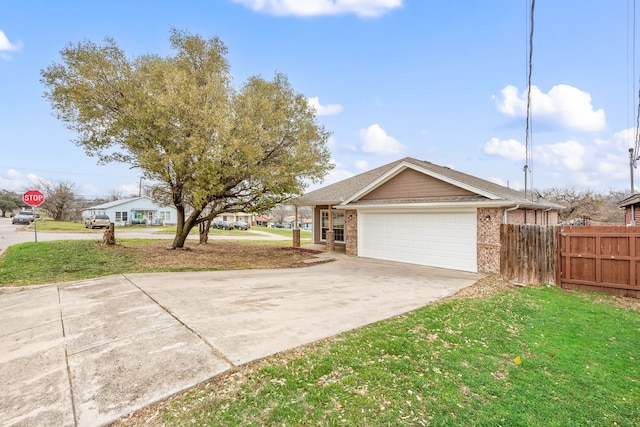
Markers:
631,206
137,210
238,216
421,213
263,220
303,224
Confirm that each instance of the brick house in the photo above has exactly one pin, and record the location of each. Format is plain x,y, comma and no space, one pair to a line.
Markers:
631,206
421,213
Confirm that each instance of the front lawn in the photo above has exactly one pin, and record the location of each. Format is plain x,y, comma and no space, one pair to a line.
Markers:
448,364
60,261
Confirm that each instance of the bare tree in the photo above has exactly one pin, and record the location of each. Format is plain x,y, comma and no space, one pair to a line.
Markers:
59,198
280,213
114,195
586,203
305,213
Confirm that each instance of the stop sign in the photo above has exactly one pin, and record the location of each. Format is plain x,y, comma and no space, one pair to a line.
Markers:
33,198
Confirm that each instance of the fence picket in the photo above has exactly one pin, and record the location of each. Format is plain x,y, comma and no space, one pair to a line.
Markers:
594,258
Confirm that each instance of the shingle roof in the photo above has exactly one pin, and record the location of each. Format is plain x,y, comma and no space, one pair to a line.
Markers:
341,191
631,200
119,202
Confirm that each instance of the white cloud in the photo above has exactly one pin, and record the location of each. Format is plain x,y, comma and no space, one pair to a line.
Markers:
338,173
563,108
376,141
7,46
129,189
18,182
599,162
361,8
510,149
567,155
362,165
324,110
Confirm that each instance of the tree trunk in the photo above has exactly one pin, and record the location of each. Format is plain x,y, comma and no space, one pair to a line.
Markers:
204,232
178,241
109,237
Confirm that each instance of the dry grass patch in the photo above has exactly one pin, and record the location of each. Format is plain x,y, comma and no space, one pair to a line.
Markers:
220,255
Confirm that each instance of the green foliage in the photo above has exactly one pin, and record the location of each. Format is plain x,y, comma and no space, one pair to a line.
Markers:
9,201
450,363
211,148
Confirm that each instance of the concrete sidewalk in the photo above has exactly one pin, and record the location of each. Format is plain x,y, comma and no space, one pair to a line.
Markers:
88,352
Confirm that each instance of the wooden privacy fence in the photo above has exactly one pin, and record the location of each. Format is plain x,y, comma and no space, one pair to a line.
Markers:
600,258
528,253
591,258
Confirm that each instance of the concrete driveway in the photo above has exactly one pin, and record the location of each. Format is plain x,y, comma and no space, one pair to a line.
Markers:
88,352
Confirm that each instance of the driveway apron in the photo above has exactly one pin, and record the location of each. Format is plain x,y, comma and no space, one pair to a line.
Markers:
88,352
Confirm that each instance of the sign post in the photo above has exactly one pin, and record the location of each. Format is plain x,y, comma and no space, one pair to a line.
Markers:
33,198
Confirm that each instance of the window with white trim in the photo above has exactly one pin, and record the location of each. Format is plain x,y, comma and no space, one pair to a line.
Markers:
165,216
121,216
338,225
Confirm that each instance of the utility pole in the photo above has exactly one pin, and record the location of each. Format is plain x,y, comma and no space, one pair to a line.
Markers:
631,161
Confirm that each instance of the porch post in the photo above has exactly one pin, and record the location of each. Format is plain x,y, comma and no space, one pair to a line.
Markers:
330,237
296,229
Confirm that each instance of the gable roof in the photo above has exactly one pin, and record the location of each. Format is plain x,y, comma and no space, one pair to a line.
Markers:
634,199
119,202
347,192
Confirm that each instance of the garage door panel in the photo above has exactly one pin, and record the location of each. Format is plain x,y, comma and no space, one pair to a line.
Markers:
446,240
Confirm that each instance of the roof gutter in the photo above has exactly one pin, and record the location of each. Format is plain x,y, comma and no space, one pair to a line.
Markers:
504,213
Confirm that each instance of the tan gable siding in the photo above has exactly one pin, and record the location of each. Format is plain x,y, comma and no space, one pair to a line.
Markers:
411,184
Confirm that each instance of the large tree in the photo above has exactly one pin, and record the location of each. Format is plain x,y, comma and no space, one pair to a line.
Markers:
211,147
9,201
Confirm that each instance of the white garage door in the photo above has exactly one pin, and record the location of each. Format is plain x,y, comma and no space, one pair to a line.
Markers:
444,239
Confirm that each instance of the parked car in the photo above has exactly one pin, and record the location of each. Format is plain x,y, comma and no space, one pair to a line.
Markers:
29,214
97,221
221,225
276,225
22,219
240,225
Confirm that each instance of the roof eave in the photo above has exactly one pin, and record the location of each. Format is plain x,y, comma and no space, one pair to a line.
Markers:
406,164
453,205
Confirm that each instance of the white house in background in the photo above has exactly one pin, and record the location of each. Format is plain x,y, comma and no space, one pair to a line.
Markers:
137,210
249,218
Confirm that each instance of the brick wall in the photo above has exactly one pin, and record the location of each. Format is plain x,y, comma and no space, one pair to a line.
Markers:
351,232
539,217
627,214
489,220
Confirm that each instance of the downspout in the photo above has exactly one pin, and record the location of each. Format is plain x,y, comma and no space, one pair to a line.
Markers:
504,214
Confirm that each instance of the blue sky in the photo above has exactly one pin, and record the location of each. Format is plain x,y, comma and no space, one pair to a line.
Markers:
439,81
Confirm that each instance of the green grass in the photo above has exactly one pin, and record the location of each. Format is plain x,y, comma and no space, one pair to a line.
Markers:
51,225
448,364
78,226
65,260
59,261
288,232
